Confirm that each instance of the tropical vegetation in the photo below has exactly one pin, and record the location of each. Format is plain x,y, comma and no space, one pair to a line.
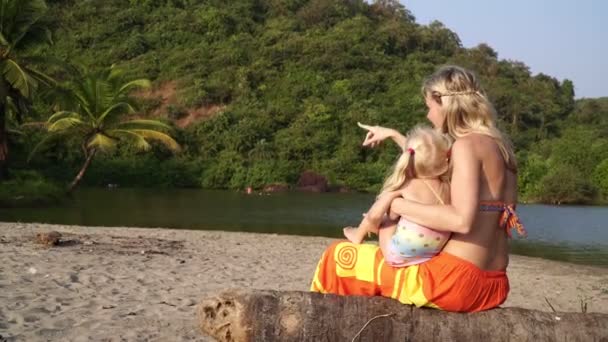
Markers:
21,26
93,115
258,91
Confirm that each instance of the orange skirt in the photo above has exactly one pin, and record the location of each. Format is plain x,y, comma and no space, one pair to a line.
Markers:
445,282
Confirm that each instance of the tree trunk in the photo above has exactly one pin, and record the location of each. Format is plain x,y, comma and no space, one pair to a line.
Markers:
541,129
82,171
3,143
304,316
514,121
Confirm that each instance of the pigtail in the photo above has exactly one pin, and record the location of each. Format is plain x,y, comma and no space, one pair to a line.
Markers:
399,175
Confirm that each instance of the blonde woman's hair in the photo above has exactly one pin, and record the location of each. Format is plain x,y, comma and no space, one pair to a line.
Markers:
426,155
466,108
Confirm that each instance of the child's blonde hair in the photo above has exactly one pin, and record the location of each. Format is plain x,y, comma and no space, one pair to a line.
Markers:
426,156
466,108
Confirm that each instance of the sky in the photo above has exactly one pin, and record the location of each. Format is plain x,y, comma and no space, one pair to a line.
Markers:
566,39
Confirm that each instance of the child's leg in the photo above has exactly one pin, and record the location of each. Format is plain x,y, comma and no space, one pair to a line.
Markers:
372,219
357,235
354,235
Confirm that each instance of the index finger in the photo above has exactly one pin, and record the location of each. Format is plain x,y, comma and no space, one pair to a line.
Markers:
367,127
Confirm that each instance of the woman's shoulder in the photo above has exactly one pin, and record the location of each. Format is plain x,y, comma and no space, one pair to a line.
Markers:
463,146
474,145
472,140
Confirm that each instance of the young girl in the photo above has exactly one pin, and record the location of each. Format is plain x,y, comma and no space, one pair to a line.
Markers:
420,175
470,273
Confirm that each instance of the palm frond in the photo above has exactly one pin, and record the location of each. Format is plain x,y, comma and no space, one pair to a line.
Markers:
70,68
140,83
144,124
161,137
3,40
26,14
62,114
16,76
138,141
12,107
37,34
113,73
113,108
94,92
35,124
18,105
44,142
83,95
64,124
61,97
12,131
101,142
42,77
104,96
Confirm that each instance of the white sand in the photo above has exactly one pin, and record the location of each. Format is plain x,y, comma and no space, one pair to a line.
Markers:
134,284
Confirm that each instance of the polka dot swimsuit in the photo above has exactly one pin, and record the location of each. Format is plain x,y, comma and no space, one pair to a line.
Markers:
413,244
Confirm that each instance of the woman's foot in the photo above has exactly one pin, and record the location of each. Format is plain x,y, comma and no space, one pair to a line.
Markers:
353,235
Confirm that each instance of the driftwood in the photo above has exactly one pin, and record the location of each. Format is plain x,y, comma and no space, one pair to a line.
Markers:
49,239
303,316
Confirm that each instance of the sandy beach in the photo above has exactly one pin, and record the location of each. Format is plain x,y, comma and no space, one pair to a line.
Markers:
140,284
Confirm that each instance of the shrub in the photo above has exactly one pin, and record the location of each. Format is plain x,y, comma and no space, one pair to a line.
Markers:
29,188
600,177
565,185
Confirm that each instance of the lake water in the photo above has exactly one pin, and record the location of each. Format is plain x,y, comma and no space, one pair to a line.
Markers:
568,233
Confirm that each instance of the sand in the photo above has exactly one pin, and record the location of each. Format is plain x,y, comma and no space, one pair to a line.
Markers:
139,284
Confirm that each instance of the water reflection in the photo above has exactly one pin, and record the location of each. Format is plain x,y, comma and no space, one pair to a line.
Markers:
576,234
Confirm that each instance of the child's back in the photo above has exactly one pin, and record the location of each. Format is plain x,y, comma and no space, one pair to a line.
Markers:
416,176
411,243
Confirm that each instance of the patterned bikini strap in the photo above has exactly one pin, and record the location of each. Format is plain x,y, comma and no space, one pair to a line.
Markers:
509,219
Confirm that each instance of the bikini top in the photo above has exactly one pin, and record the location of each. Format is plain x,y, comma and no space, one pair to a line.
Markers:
509,219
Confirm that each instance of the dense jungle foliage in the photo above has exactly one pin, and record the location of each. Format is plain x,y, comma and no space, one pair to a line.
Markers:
258,91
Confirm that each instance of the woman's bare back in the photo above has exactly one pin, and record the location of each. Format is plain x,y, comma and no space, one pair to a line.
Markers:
486,245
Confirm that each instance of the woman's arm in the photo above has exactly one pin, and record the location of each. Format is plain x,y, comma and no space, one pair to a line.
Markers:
376,214
459,216
376,134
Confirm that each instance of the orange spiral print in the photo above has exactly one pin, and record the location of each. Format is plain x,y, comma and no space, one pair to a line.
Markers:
347,257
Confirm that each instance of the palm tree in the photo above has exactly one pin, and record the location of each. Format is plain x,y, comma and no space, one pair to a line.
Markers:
20,27
261,151
94,107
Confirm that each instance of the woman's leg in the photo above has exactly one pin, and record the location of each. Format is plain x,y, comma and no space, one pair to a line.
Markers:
359,269
348,269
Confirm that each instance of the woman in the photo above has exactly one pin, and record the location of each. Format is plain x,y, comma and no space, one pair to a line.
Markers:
470,273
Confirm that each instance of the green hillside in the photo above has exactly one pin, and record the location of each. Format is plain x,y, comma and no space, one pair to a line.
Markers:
261,90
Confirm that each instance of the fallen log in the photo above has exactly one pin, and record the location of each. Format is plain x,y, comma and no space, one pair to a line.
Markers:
240,315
